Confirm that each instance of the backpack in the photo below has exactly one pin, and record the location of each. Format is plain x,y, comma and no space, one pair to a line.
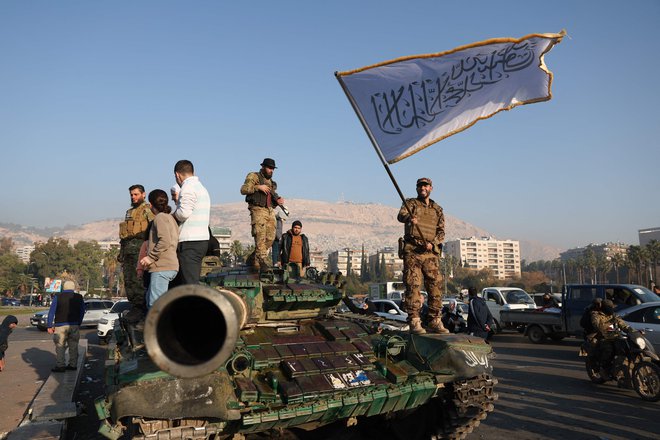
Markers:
585,321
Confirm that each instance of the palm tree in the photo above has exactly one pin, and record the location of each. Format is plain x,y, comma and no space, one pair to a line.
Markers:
653,249
638,257
111,267
590,262
236,251
604,265
617,260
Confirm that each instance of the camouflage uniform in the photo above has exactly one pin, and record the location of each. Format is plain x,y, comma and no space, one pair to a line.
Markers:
132,233
262,215
420,265
603,323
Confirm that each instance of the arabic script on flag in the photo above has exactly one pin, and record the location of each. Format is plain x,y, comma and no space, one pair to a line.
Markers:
412,102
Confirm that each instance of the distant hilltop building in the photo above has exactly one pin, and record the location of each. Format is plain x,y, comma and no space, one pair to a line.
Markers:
646,235
107,245
603,249
500,256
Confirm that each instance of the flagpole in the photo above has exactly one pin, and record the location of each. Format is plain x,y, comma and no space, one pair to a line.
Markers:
374,142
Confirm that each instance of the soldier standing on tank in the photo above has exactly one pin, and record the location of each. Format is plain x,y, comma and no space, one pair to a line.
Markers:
423,236
259,191
132,233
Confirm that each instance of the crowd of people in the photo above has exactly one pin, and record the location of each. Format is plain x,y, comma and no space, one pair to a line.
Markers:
162,247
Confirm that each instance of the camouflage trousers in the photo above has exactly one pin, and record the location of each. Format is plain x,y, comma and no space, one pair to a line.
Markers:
421,269
263,231
133,286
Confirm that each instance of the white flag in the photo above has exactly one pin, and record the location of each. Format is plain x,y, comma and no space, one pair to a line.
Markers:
412,102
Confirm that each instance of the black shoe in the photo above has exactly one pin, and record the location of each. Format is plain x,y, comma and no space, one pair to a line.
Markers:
71,367
58,369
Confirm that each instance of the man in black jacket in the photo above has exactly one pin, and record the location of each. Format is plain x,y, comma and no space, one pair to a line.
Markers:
480,320
295,247
8,325
64,319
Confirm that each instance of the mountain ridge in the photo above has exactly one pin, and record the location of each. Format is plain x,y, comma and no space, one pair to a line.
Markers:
328,225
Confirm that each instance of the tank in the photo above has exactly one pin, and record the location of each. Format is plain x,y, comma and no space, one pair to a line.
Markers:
258,355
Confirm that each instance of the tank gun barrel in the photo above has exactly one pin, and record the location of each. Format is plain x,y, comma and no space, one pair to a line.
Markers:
192,330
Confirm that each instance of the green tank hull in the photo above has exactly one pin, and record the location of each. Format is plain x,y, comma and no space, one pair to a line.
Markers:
269,356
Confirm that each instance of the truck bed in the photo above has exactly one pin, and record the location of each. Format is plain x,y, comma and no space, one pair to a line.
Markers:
531,317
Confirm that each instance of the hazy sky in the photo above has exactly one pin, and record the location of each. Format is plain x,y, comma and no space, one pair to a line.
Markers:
96,96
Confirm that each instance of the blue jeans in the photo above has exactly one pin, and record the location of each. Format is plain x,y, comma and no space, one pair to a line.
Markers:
159,284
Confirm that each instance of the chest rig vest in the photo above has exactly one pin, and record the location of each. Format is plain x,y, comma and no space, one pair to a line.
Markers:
135,224
259,198
427,220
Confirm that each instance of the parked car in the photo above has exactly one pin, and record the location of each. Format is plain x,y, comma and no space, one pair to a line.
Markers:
40,320
506,298
107,322
94,310
13,302
645,317
31,300
391,309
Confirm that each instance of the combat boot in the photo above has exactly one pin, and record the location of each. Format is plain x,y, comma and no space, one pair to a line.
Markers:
436,326
416,326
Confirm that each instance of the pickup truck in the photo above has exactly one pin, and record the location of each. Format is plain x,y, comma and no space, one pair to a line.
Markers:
500,299
559,323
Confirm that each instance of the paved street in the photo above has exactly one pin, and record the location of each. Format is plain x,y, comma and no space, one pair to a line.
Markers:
544,392
29,358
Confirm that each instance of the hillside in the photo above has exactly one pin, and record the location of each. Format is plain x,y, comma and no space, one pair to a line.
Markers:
329,226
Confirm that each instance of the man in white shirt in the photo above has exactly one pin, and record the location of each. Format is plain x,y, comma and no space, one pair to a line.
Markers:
193,211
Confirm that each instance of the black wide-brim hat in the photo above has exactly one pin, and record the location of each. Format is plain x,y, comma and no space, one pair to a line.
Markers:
268,162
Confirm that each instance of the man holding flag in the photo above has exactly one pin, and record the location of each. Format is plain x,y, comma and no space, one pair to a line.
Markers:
410,103
423,236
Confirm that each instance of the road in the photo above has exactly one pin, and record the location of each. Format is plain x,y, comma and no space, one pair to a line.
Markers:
544,393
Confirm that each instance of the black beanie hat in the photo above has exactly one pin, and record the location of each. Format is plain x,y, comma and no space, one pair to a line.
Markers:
296,223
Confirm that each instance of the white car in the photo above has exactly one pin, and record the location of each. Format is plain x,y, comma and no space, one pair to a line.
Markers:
107,322
645,317
94,309
391,309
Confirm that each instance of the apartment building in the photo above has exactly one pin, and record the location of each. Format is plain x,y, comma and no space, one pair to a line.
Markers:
500,256
24,252
393,264
648,234
606,250
223,235
345,261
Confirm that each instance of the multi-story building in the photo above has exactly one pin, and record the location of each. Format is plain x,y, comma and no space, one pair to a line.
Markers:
24,252
602,249
319,260
345,261
107,245
648,234
500,256
223,235
393,264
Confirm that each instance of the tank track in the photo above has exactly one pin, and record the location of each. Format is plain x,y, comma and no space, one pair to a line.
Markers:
465,404
471,402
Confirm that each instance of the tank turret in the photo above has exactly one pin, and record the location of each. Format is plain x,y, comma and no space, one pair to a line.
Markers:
256,353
